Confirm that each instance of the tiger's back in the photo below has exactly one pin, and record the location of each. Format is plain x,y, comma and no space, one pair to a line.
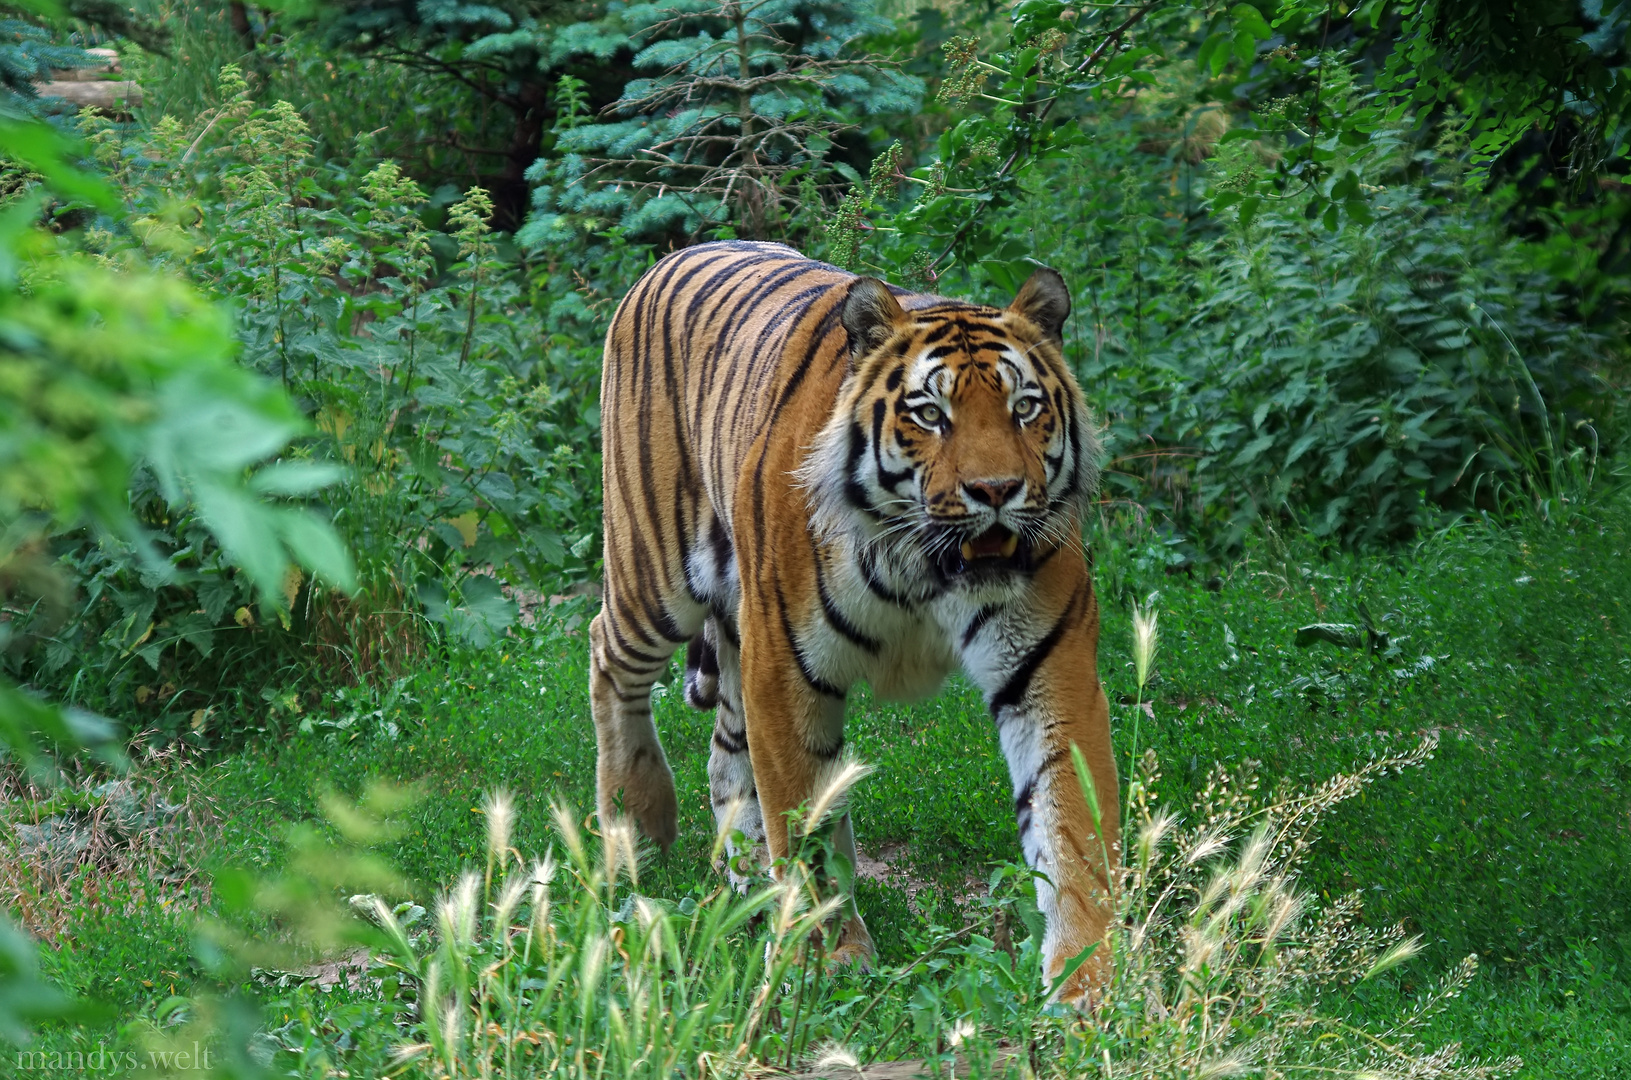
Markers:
715,347
815,480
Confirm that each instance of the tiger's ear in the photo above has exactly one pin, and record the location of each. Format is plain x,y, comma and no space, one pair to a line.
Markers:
870,314
1044,300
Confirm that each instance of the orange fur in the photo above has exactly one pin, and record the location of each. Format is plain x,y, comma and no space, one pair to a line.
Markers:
814,480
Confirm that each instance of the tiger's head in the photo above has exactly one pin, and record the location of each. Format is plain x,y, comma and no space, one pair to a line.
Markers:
960,437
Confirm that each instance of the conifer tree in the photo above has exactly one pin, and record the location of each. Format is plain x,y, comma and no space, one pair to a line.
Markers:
734,116
507,56
36,39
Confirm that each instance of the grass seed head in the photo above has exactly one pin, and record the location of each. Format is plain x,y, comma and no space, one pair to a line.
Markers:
456,913
567,825
832,793
1146,636
617,851
1394,956
727,825
508,900
500,811
834,1056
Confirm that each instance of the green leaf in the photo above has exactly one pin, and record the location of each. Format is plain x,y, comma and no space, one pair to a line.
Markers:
1070,968
44,150
314,543
289,478
1245,47
1213,54
1249,20
1342,635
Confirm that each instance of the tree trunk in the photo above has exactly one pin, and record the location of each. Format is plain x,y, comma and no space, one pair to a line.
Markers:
238,12
512,195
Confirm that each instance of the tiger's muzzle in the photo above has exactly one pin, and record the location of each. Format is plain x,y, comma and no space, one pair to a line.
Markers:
962,555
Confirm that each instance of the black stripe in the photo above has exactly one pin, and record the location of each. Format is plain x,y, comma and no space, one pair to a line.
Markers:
818,337
729,742
1014,690
838,619
879,589
1027,792
627,649
816,683
725,623
1023,810
888,478
976,624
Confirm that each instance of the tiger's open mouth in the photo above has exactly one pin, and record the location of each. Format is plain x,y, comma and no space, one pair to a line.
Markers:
995,549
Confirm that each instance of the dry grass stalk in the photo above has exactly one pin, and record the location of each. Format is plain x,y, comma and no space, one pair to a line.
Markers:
1224,966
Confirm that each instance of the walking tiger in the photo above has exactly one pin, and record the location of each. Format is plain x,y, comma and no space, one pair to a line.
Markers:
814,478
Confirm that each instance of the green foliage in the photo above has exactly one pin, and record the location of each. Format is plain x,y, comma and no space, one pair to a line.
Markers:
108,371
1366,374
102,371
38,37
496,66
28,53
1367,384
452,392
738,104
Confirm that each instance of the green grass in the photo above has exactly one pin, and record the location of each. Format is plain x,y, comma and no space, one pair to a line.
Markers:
1515,842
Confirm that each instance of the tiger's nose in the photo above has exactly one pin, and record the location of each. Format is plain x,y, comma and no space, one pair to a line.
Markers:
993,492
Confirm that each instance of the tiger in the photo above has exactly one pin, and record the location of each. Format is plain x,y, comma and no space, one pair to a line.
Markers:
813,478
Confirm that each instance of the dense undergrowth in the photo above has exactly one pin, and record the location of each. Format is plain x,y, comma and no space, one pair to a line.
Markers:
1359,348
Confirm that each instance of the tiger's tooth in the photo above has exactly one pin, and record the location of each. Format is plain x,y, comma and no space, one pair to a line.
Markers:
968,551
1010,545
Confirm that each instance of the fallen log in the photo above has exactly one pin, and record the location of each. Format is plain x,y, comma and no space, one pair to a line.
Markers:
109,96
91,86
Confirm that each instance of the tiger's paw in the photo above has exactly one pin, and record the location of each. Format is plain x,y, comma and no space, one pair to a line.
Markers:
646,794
854,946
745,865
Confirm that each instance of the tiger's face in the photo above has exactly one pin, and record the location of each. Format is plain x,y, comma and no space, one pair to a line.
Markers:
962,434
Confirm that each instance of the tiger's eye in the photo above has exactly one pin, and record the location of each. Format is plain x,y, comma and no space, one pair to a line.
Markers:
928,415
1025,408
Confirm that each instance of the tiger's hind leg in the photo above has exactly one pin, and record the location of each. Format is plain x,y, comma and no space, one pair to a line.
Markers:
731,787
632,777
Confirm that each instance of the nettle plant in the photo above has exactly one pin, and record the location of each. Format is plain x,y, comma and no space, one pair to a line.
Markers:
455,394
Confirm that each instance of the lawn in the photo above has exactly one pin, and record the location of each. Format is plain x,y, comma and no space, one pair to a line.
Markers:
1513,842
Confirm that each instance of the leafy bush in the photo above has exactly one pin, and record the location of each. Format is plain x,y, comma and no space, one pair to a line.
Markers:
1366,384
1367,374
102,371
451,389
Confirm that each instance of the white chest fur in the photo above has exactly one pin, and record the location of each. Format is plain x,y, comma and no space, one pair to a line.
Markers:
871,625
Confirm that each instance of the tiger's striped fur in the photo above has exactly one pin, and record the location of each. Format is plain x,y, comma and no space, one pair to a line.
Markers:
814,479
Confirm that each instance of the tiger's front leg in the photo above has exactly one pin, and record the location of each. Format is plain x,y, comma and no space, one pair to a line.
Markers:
1037,663
795,732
